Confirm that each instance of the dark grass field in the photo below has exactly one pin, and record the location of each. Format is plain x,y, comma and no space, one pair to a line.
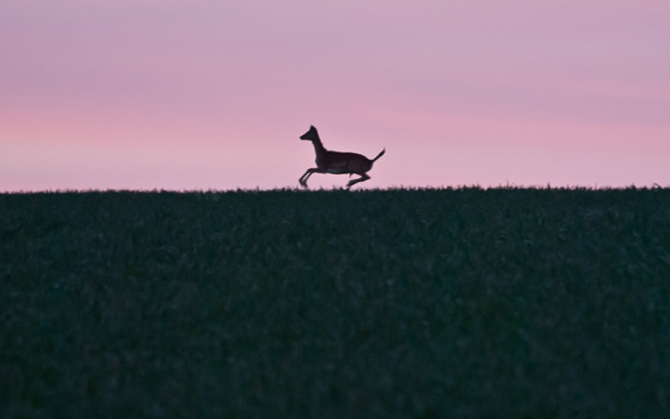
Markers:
333,304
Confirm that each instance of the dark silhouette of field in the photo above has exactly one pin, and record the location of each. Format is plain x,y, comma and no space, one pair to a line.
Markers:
397,303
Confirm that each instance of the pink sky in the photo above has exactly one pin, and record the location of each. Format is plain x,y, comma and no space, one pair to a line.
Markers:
214,94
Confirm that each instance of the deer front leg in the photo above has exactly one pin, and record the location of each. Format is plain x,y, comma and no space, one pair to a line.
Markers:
304,177
308,173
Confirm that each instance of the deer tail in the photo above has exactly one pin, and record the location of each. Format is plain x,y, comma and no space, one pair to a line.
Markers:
379,155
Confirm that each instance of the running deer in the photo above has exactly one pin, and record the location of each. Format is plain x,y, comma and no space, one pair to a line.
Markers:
335,162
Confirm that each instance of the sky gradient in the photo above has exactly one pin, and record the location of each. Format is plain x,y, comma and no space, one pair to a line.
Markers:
214,95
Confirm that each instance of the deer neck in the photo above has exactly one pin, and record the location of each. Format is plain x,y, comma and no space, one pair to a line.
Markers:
318,147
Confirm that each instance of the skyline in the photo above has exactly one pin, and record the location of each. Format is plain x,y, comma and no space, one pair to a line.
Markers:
172,95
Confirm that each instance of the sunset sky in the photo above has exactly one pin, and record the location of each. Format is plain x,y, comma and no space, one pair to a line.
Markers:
214,94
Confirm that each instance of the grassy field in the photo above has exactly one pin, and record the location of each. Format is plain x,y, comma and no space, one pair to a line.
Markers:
330,304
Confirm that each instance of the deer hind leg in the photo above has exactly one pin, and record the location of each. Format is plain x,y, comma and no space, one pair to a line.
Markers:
363,178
